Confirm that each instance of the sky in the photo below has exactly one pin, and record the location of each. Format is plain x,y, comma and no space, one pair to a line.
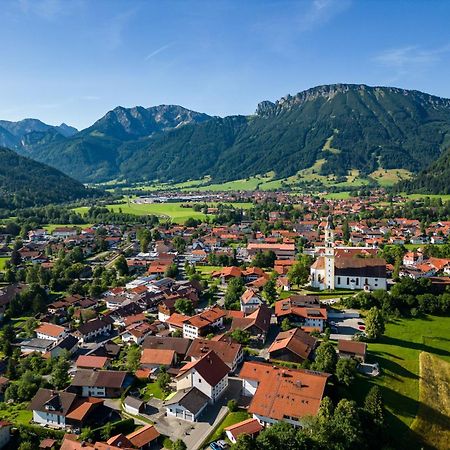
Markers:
73,60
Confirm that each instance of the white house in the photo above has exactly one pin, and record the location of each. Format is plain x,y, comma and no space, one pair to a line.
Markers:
51,332
208,374
187,404
201,324
250,301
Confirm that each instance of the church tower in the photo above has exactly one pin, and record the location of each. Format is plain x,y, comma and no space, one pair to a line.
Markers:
329,254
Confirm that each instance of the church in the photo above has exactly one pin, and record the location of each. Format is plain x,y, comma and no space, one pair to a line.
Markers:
347,267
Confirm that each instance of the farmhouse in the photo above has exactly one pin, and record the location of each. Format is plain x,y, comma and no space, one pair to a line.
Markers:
280,394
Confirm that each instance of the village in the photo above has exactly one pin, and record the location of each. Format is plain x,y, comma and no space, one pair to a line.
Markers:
192,335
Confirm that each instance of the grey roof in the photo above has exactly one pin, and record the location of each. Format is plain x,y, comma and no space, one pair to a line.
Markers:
179,345
133,402
38,343
68,343
191,399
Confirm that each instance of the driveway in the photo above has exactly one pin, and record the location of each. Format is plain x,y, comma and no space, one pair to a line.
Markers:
193,433
347,328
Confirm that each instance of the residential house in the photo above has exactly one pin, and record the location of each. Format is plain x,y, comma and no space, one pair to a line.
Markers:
154,358
281,394
179,345
50,332
133,405
92,362
99,383
209,374
61,409
257,324
352,349
90,330
250,301
230,352
203,323
143,438
250,427
294,346
187,404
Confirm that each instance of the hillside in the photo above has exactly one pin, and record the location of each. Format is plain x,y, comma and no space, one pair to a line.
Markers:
24,182
434,180
345,127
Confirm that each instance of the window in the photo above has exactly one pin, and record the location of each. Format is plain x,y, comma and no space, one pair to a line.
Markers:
339,280
357,281
348,280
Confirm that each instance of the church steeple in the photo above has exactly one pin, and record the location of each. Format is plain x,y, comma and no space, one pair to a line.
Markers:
329,232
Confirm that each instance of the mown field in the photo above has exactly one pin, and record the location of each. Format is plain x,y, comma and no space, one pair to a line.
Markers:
3,260
398,353
173,211
433,417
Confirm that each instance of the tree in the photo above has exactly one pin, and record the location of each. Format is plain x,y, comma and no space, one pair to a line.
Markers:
121,265
163,379
107,431
171,271
60,374
375,324
345,231
286,325
346,425
373,404
233,294
346,371
326,358
270,291
240,336
133,358
299,273
86,434
184,306
16,259
179,243
264,259
244,442
232,405
179,445
144,237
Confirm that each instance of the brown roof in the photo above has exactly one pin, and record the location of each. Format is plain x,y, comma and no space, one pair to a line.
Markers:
158,356
210,367
296,341
50,329
358,348
179,345
226,351
284,392
249,426
143,436
99,378
91,362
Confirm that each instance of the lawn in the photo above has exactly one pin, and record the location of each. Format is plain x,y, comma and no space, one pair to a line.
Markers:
173,211
444,198
152,390
398,352
433,417
51,227
3,260
230,419
18,414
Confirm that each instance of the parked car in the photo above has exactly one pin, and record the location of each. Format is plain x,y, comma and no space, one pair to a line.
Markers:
222,444
214,446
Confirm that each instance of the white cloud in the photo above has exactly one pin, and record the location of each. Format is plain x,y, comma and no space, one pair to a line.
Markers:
410,57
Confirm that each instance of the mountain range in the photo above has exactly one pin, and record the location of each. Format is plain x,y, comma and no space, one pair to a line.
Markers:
345,127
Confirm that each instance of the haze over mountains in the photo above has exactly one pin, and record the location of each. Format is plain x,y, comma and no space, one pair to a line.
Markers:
343,126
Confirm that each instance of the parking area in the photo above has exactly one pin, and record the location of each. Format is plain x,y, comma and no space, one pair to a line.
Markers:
345,327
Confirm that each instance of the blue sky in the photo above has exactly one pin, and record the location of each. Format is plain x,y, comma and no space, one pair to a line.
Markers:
73,60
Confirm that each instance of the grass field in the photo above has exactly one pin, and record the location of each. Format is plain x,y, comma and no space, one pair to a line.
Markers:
173,211
3,260
230,419
433,416
444,198
152,390
51,227
389,177
398,352
18,414
337,195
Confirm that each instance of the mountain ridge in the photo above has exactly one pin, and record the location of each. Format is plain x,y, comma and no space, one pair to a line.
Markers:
347,126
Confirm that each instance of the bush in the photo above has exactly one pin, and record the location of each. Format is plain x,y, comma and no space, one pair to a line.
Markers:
232,405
